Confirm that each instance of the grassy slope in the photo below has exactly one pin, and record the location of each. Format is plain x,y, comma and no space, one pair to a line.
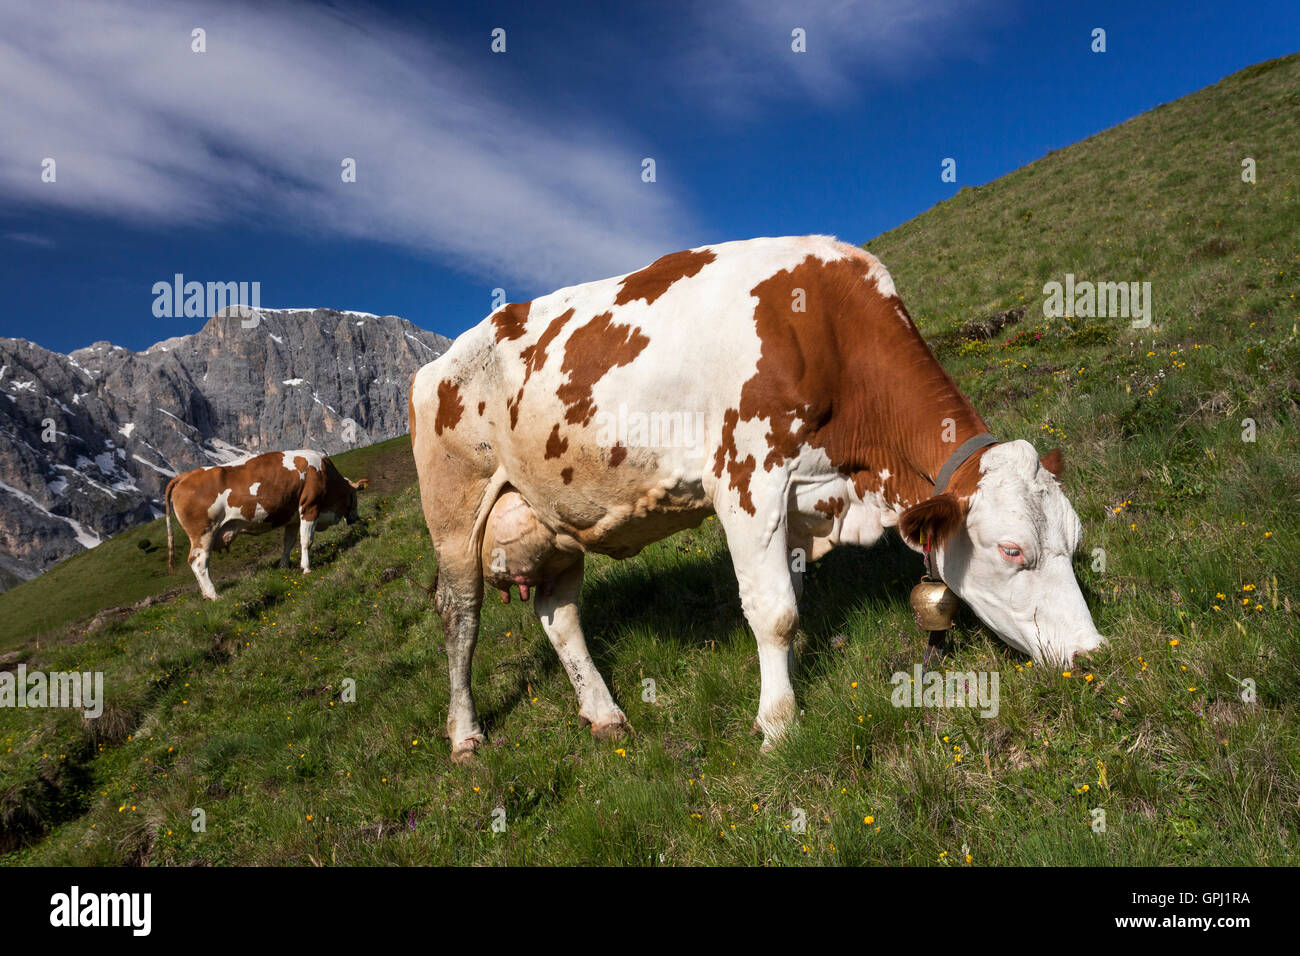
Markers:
236,709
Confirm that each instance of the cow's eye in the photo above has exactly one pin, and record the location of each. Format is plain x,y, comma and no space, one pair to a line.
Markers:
1012,553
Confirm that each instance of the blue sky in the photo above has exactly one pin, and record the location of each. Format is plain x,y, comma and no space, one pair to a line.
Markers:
522,170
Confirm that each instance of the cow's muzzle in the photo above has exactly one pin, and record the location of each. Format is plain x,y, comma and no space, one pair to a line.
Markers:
1084,652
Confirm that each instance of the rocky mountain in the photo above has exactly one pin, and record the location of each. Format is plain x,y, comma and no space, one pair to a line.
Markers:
89,440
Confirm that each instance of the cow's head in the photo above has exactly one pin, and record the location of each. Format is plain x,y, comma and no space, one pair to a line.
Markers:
353,514
1006,551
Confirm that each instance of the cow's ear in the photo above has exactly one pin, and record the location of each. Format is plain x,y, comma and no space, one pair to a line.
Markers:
1054,462
936,519
360,483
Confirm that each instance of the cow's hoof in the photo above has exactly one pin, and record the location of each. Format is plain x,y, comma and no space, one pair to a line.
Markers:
610,729
465,751
772,737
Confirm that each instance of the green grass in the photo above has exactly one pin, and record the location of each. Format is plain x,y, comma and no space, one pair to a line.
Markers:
238,708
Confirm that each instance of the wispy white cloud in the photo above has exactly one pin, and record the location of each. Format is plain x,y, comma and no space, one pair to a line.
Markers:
30,239
740,59
453,164
252,132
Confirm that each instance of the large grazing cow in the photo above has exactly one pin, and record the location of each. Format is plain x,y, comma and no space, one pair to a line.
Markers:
300,491
777,383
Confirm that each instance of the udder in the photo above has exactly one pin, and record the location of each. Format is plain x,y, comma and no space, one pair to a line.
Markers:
226,534
520,550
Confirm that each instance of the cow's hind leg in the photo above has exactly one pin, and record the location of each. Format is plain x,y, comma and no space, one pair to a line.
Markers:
199,554
290,536
760,554
456,526
459,599
557,610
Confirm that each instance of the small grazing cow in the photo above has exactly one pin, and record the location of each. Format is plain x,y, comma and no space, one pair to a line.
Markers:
274,490
777,383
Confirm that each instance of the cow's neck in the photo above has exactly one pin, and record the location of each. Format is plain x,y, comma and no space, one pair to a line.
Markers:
856,380
923,452
924,418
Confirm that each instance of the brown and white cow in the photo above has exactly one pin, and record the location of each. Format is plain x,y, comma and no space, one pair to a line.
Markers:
777,383
300,491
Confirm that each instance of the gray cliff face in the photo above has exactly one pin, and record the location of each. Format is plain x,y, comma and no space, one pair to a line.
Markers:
89,440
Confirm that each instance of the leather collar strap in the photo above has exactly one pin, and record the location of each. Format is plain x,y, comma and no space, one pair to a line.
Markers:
958,458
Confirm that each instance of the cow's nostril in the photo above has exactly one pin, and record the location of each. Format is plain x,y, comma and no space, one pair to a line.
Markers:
1083,656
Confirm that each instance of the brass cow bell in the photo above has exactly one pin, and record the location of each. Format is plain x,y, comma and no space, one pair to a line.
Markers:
934,606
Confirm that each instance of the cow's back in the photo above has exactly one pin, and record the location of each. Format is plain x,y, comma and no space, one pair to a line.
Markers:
263,490
606,403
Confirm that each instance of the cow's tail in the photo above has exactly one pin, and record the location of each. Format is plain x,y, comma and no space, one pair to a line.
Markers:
167,506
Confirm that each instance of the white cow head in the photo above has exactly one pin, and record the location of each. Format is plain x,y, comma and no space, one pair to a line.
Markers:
1006,551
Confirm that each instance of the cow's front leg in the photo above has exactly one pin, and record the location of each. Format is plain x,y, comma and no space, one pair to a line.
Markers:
306,528
557,609
760,555
290,536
